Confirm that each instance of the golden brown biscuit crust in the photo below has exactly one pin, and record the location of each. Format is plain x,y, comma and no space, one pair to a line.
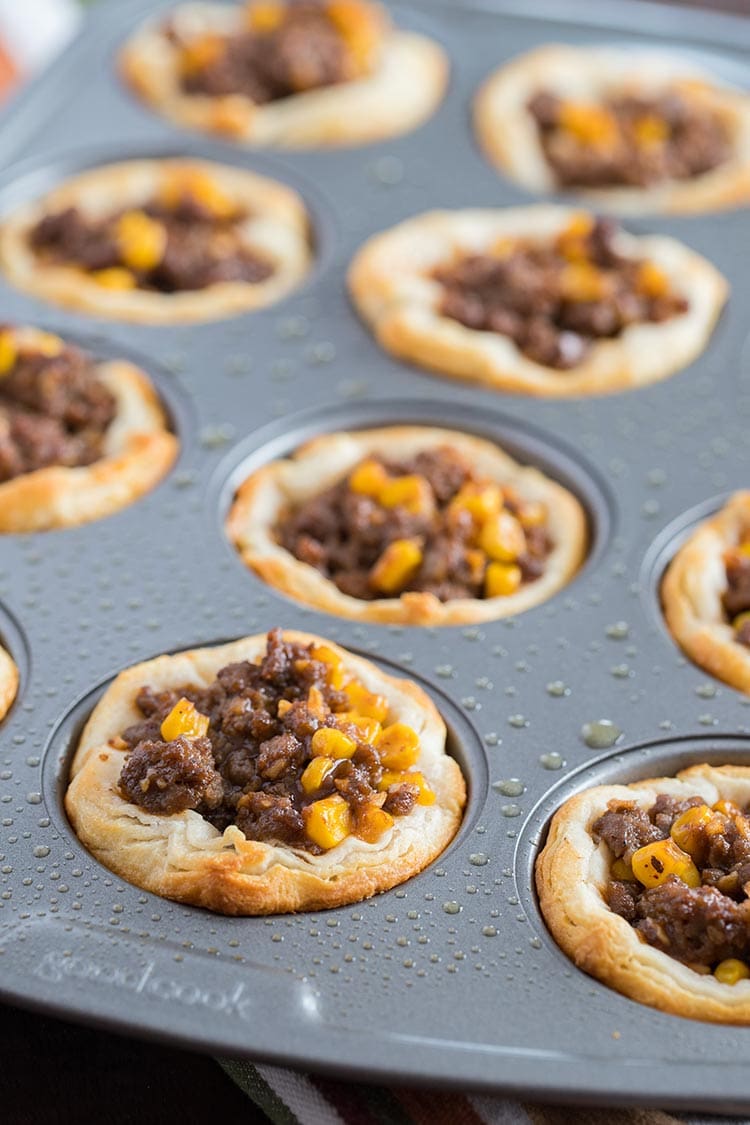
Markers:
693,588
403,91
572,872
185,858
277,228
138,452
390,284
8,682
510,139
319,463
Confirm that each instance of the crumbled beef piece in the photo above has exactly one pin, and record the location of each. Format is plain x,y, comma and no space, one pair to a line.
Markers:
247,770
305,52
625,828
736,597
343,534
522,295
698,925
622,898
201,249
648,140
169,777
54,410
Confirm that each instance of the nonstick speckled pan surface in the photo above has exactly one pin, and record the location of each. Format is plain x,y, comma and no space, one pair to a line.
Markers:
451,978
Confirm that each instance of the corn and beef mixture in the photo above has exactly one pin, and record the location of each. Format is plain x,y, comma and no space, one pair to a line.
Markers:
293,750
555,298
283,49
736,598
54,410
428,523
681,876
185,238
628,140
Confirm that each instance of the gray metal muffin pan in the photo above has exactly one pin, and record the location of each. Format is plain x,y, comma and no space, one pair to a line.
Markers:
450,979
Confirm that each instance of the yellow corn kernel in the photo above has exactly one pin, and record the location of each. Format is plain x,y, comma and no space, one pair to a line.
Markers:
728,808
328,822
398,563
408,777
731,970
8,352
264,15
369,729
336,672
532,513
283,706
329,742
571,242
369,478
650,130
504,246
372,822
688,829
184,721
501,579
480,500
361,29
49,344
316,702
141,240
582,281
411,492
398,746
367,703
622,870
502,537
114,278
179,182
651,280
316,772
200,53
229,116
591,124
654,863
744,548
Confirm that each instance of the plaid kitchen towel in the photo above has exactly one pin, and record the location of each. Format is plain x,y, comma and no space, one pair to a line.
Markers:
290,1098
31,33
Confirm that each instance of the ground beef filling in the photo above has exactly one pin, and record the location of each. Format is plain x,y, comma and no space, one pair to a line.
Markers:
629,141
286,49
427,523
554,299
283,753
166,246
54,410
736,598
681,877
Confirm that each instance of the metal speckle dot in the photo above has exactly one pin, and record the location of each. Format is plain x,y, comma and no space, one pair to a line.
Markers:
452,907
479,859
557,689
518,721
553,761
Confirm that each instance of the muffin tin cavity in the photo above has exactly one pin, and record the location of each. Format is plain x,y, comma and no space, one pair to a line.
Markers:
652,759
34,178
462,743
524,443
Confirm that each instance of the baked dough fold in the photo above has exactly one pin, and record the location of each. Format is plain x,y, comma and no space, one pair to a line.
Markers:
184,857
509,136
403,90
139,450
572,872
268,492
392,288
276,227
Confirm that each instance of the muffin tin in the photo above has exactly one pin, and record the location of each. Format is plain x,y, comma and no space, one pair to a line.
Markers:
450,979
